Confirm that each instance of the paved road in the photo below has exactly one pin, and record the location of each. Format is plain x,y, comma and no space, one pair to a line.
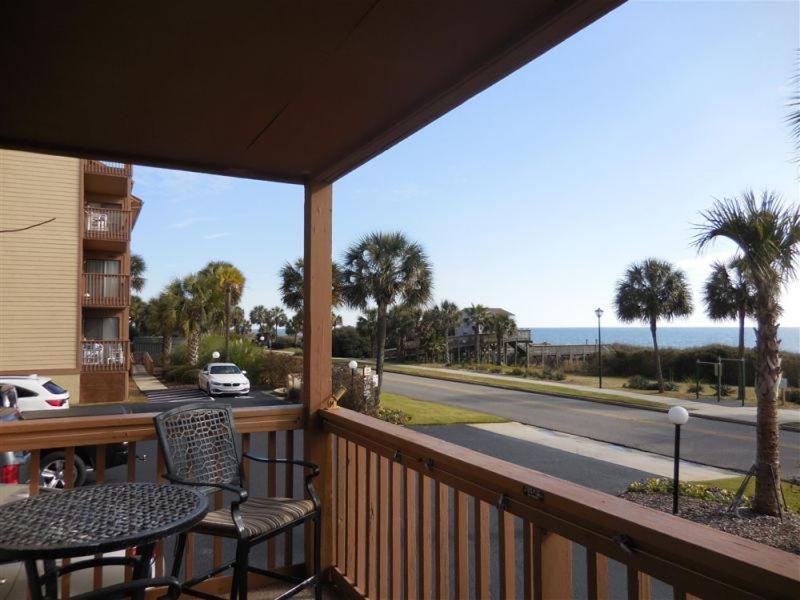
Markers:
720,444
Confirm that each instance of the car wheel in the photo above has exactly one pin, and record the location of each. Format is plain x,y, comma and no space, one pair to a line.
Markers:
53,470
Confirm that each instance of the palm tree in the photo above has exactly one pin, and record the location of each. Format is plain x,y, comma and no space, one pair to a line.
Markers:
503,324
295,326
401,322
278,318
449,318
138,267
163,317
794,104
194,295
291,275
729,295
385,268
229,283
767,234
367,326
137,316
479,317
260,316
651,290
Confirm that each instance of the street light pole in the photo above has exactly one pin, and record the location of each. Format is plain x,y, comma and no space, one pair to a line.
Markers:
599,313
678,416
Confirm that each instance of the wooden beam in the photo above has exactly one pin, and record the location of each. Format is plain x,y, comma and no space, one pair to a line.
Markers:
317,353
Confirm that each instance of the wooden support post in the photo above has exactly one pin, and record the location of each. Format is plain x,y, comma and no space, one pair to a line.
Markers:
317,354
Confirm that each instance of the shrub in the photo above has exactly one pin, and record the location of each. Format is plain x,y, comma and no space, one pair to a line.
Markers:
724,389
696,388
181,374
348,342
398,417
495,369
663,485
637,382
362,391
793,395
553,374
517,371
275,368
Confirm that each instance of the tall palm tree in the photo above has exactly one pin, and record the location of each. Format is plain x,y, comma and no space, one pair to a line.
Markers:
767,234
194,294
503,325
385,268
291,289
450,317
367,326
260,317
401,323
295,326
651,290
138,267
228,282
729,295
479,317
278,318
163,316
137,315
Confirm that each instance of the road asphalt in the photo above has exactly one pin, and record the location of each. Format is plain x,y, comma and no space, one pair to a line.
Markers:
716,443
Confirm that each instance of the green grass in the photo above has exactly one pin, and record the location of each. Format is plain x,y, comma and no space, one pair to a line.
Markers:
523,386
432,413
790,491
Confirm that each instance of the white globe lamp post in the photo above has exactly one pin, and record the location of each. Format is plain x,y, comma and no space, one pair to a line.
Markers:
678,416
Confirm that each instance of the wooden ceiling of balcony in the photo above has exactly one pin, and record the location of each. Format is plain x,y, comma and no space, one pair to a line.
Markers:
291,91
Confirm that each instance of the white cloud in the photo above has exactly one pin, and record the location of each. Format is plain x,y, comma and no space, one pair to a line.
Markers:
215,236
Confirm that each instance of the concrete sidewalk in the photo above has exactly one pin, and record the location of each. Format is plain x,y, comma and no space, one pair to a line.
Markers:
145,382
737,414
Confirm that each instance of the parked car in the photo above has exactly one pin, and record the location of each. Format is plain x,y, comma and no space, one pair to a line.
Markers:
36,392
223,378
10,462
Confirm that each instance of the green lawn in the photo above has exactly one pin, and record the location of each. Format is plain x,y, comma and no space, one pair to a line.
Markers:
431,413
515,383
790,491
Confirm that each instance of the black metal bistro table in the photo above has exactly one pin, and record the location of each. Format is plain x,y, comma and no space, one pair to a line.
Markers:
93,520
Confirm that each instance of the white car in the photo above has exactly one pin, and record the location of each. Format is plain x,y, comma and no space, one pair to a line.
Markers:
37,392
223,378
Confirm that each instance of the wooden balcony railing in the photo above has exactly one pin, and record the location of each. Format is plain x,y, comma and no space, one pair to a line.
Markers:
101,289
266,431
104,167
113,224
105,355
410,510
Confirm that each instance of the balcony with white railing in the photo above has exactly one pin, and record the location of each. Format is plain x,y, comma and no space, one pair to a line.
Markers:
107,224
104,167
105,356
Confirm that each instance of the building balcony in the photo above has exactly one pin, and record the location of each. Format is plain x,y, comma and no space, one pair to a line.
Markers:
104,290
107,224
105,177
104,167
105,356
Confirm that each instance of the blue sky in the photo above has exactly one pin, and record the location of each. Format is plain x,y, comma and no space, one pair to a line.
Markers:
536,194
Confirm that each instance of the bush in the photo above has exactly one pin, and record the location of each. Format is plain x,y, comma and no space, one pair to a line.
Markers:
724,389
553,374
696,388
361,392
517,371
275,367
348,342
637,382
793,395
663,485
496,369
398,417
181,374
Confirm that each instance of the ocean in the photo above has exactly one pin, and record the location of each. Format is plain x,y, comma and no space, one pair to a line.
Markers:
675,337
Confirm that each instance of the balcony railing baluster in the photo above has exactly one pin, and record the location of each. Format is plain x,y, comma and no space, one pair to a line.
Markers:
112,224
105,355
101,289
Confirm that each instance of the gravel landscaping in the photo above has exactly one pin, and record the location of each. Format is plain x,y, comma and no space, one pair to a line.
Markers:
760,528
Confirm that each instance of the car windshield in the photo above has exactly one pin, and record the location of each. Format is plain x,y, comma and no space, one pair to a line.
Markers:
53,388
225,370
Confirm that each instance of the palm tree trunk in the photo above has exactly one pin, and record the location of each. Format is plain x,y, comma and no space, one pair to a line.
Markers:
741,333
166,350
659,374
477,345
380,343
227,323
193,347
768,371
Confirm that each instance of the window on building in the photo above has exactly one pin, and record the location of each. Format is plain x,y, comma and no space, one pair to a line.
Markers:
101,328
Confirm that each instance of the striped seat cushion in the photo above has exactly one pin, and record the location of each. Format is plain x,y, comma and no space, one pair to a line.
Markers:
260,515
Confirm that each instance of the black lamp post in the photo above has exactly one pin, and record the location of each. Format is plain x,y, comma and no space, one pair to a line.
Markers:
678,416
599,313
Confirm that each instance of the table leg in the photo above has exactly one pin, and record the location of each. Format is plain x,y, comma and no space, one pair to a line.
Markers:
144,554
50,579
34,583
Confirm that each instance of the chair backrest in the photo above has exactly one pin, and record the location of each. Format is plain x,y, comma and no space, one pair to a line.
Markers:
200,444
